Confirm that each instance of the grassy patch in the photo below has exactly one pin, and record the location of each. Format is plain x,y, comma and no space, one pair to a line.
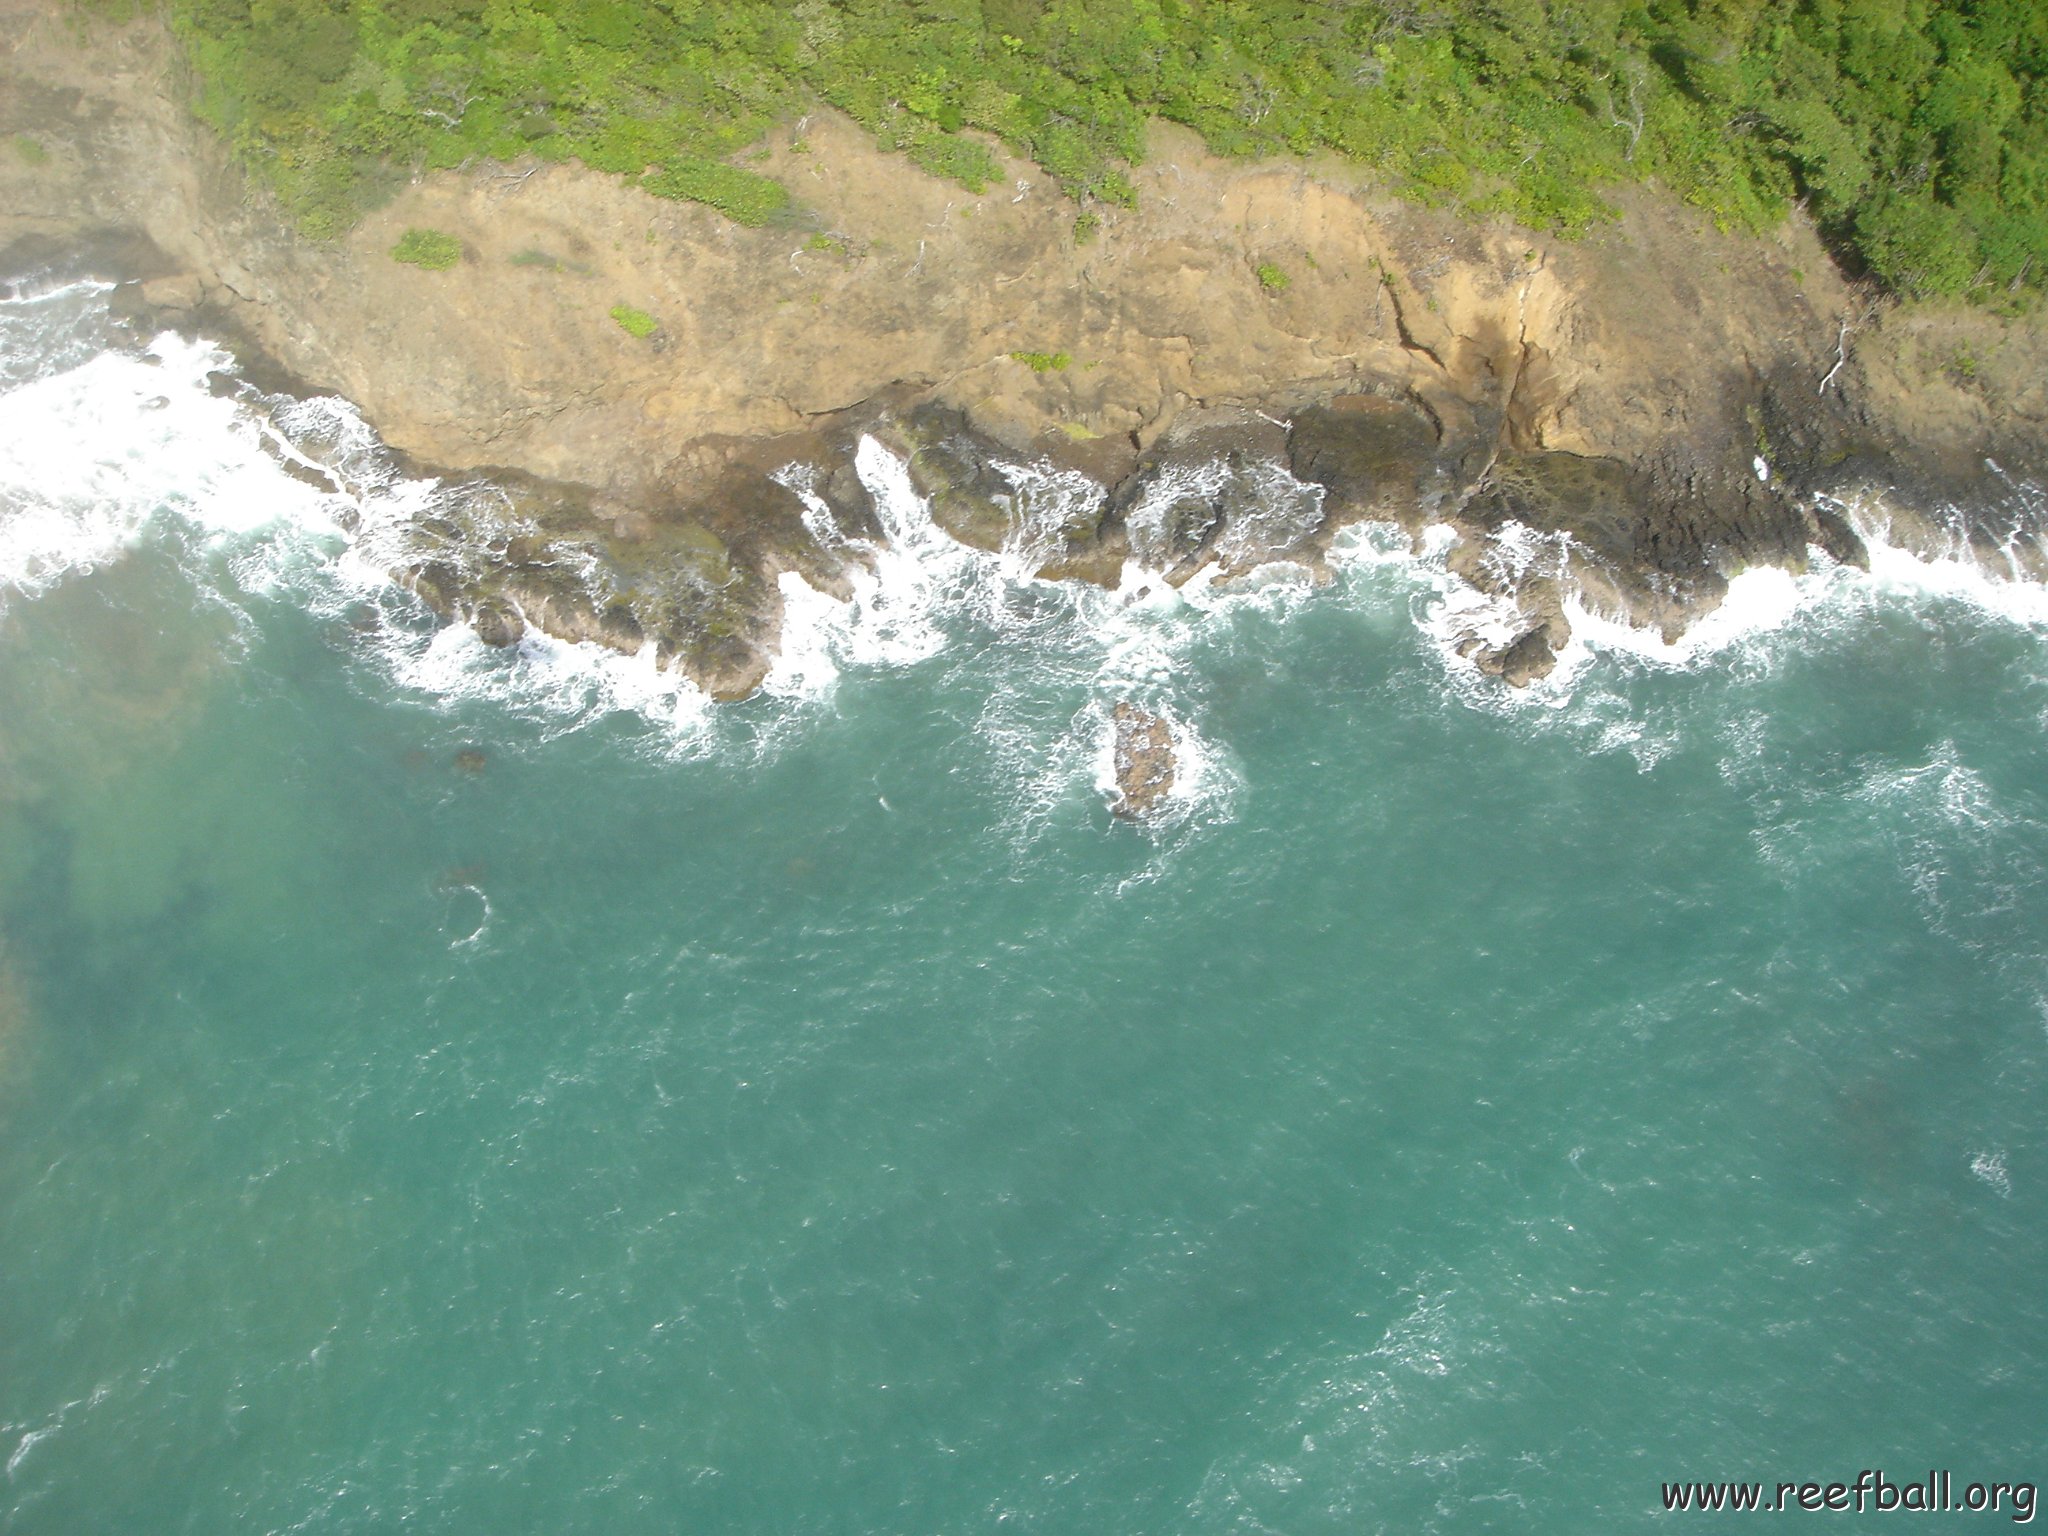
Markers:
966,161
745,197
1272,279
636,323
534,258
30,151
427,248
1043,362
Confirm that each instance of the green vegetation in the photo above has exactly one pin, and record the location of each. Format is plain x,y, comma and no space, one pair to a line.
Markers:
30,151
1915,130
1087,225
745,197
548,261
1042,362
428,248
1272,279
636,323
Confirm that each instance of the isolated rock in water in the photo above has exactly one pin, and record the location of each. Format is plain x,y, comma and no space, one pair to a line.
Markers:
1144,761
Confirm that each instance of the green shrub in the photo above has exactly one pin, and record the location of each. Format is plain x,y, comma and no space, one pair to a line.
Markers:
1042,362
636,323
427,248
1918,245
745,197
966,161
1087,225
1272,279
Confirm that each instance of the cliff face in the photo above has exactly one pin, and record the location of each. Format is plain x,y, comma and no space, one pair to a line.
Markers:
1417,365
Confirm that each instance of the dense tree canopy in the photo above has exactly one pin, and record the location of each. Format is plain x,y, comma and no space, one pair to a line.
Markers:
1916,130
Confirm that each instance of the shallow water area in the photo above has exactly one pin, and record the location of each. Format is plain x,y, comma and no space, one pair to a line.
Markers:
500,1091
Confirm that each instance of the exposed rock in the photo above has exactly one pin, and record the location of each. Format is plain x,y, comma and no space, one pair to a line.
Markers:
1145,763
1216,489
1522,661
173,293
1374,457
177,294
498,623
958,469
954,468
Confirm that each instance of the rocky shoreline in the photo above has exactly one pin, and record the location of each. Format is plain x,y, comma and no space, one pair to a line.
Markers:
1256,357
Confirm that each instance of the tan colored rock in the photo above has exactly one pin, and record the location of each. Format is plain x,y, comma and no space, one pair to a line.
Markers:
176,294
1145,764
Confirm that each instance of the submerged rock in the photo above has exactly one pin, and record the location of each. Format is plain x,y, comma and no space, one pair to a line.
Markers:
1145,763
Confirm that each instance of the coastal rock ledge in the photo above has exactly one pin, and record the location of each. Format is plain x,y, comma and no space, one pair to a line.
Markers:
1252,358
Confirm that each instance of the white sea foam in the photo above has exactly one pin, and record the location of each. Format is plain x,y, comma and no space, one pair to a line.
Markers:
89,455
1272,512
1990,1167
1952,794
902,585
1762,604
48,326
392,520
92,454
1045,500
1953,570
919,595
479,909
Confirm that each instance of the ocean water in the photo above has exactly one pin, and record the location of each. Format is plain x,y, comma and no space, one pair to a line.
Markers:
489,1092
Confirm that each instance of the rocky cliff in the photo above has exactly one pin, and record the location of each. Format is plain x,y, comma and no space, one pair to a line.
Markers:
1659,401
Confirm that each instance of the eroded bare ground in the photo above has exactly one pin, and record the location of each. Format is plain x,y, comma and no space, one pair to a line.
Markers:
1416,365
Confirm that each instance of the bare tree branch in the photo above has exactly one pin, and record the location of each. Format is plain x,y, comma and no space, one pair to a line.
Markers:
1853,320
1632,125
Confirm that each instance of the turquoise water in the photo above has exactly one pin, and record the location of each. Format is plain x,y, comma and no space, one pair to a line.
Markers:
818,1116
